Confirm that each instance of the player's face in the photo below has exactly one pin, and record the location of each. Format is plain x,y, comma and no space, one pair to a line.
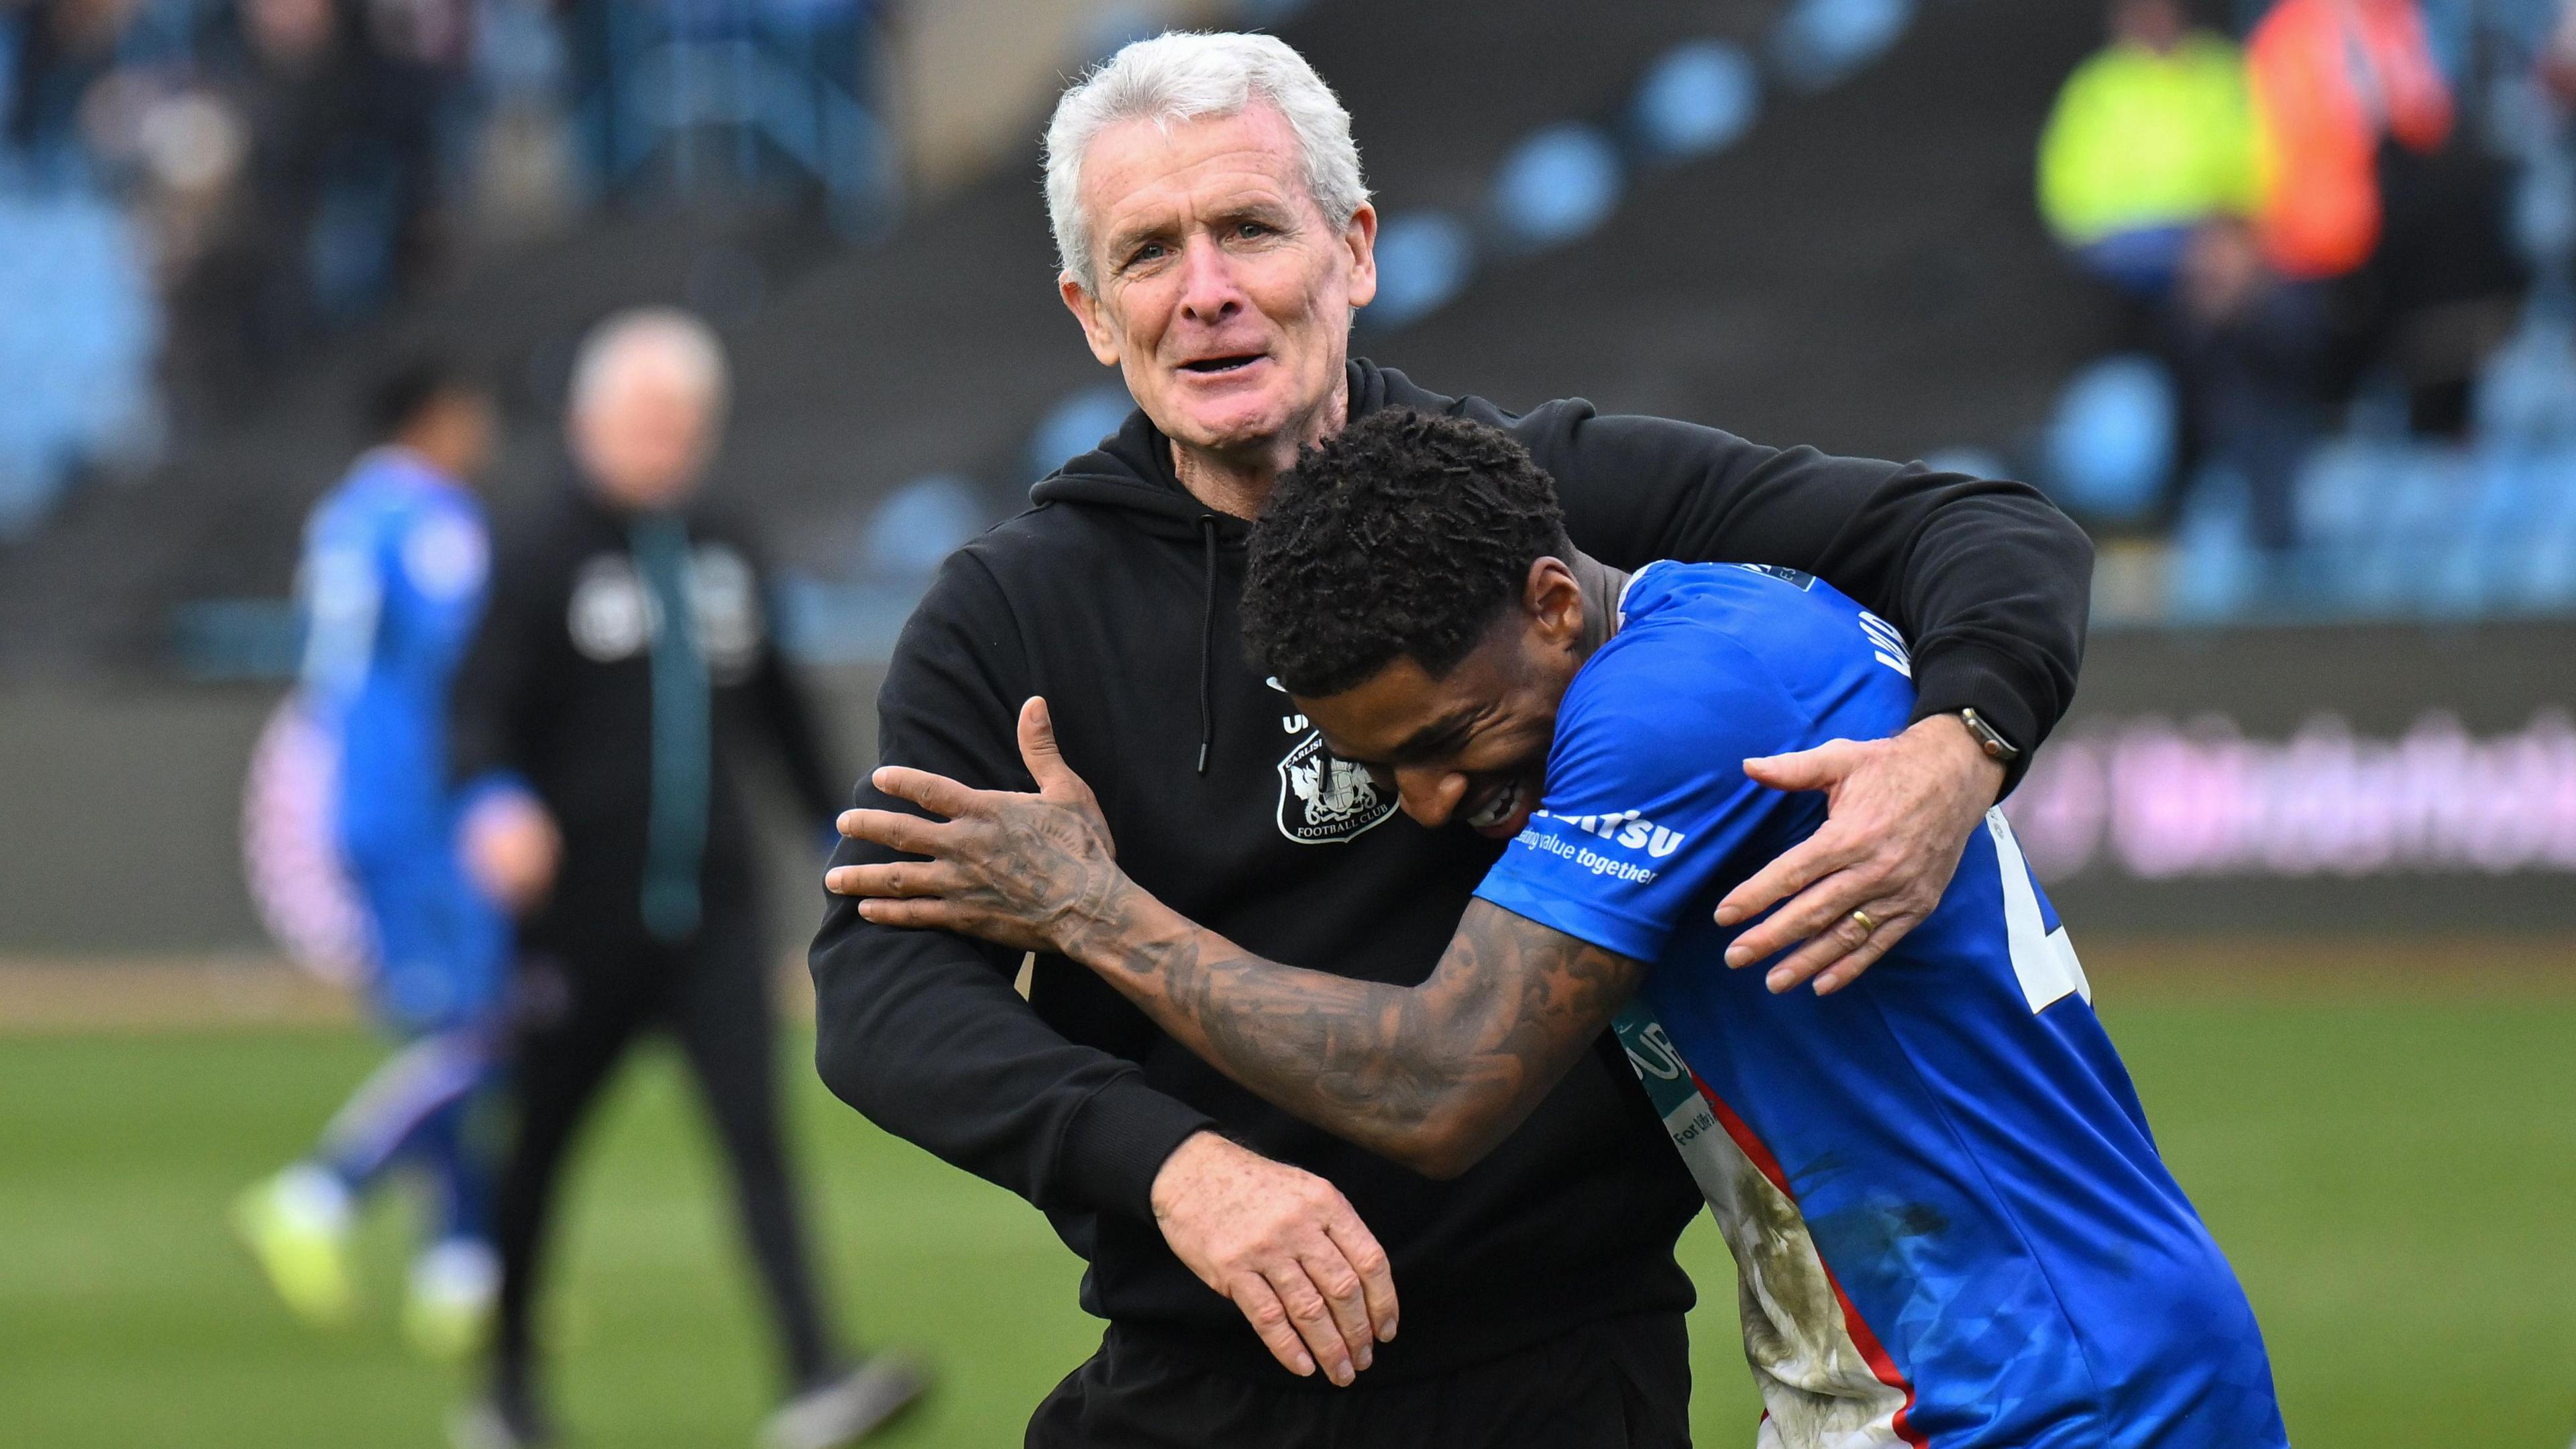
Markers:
1222,295
1469,746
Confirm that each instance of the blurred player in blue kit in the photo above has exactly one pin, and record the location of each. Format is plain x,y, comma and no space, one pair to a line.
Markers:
1950,1222
396,563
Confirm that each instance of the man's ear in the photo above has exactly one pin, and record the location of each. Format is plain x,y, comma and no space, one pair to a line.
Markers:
1361,237
1554,600
1087,310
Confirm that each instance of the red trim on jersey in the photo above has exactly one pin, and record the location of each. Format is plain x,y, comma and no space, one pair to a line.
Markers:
1872,1352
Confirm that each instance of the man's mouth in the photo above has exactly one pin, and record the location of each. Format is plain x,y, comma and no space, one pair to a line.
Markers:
1231,362
1500,812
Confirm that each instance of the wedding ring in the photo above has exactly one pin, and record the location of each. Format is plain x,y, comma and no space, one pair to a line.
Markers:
1863,920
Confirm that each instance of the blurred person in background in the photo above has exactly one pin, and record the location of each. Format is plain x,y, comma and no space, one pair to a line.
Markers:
2370,188
288,76
417,56
63,48
627,669
2334,81
2251,351
394,573
2149,138
1216,235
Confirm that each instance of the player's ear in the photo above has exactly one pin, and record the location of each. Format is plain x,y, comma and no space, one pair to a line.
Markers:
1554,600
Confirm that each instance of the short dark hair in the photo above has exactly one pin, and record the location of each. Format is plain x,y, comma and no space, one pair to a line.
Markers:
409,387
1403,535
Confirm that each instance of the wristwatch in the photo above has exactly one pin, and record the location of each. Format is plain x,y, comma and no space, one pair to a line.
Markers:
1997,748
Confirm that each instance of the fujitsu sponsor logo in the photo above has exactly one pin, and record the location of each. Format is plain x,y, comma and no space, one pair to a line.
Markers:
1624,828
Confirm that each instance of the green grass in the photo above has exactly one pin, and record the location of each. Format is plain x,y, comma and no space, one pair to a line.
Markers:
2395,1181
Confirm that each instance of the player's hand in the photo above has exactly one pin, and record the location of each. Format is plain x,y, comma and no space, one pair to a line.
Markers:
1032,872
511,849
1286,1247
1898,813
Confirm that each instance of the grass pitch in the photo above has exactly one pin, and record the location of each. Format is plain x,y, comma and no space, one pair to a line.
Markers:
2394,1177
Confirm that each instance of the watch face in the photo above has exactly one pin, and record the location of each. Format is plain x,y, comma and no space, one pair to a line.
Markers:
1995,745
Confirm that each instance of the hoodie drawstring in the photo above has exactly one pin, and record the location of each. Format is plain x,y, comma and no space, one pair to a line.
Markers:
1207,645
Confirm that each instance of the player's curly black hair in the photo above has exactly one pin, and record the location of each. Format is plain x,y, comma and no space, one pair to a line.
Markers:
1405,534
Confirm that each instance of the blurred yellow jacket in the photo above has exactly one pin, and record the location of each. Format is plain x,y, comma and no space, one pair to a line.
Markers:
2143,139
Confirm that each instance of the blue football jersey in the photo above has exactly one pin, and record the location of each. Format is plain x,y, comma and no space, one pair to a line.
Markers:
396,567
1949,1221
396,562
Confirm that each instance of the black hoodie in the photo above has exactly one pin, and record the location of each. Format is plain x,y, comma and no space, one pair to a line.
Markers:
1116,596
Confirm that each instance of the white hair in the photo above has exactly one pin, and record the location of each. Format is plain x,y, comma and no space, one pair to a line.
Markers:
1183,76
609,348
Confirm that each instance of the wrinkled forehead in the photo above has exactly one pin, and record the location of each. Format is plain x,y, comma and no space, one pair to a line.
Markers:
1146,168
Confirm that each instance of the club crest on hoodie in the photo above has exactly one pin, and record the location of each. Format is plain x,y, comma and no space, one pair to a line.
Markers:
1324,799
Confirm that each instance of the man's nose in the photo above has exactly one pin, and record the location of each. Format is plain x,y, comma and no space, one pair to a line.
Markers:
1430,796
1209,292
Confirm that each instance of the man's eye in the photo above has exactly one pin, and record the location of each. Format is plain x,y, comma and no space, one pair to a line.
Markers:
1249,230
1149,252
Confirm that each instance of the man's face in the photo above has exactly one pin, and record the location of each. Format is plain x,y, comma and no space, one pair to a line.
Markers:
1471,745
1223,296
646,435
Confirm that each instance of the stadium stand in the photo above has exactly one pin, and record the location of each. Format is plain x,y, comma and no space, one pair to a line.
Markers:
1808,221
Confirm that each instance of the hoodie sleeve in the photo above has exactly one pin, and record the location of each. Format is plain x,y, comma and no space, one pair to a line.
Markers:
921,1031
1990,582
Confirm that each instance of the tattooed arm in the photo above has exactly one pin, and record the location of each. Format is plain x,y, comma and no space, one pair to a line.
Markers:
1432,1076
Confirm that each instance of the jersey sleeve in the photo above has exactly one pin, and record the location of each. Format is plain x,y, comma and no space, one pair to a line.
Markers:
1647,807
443,556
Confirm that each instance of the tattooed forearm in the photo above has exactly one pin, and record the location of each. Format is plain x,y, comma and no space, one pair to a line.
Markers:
1433,1075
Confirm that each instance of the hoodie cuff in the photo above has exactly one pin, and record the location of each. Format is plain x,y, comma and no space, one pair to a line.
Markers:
1118,1142
1971,676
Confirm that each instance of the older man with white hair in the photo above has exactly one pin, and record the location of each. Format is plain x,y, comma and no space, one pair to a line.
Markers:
625,668
1216,238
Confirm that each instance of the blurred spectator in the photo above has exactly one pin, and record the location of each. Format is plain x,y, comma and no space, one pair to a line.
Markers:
2332,81
2250,347
2558,58
2148,138
287,72
64,46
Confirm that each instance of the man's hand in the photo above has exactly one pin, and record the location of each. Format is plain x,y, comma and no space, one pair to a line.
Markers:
1028,871
1898,812
1284,1245
511,849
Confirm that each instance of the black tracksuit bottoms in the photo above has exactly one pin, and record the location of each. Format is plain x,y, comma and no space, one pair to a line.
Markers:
579,1010
1620,1384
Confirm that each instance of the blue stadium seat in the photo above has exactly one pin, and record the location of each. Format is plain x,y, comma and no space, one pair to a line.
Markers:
77,333
1974,462
1819,42
1424,258
2341,490
1700,97
1076,425
1558,184
2110,446
920,524
2216,572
